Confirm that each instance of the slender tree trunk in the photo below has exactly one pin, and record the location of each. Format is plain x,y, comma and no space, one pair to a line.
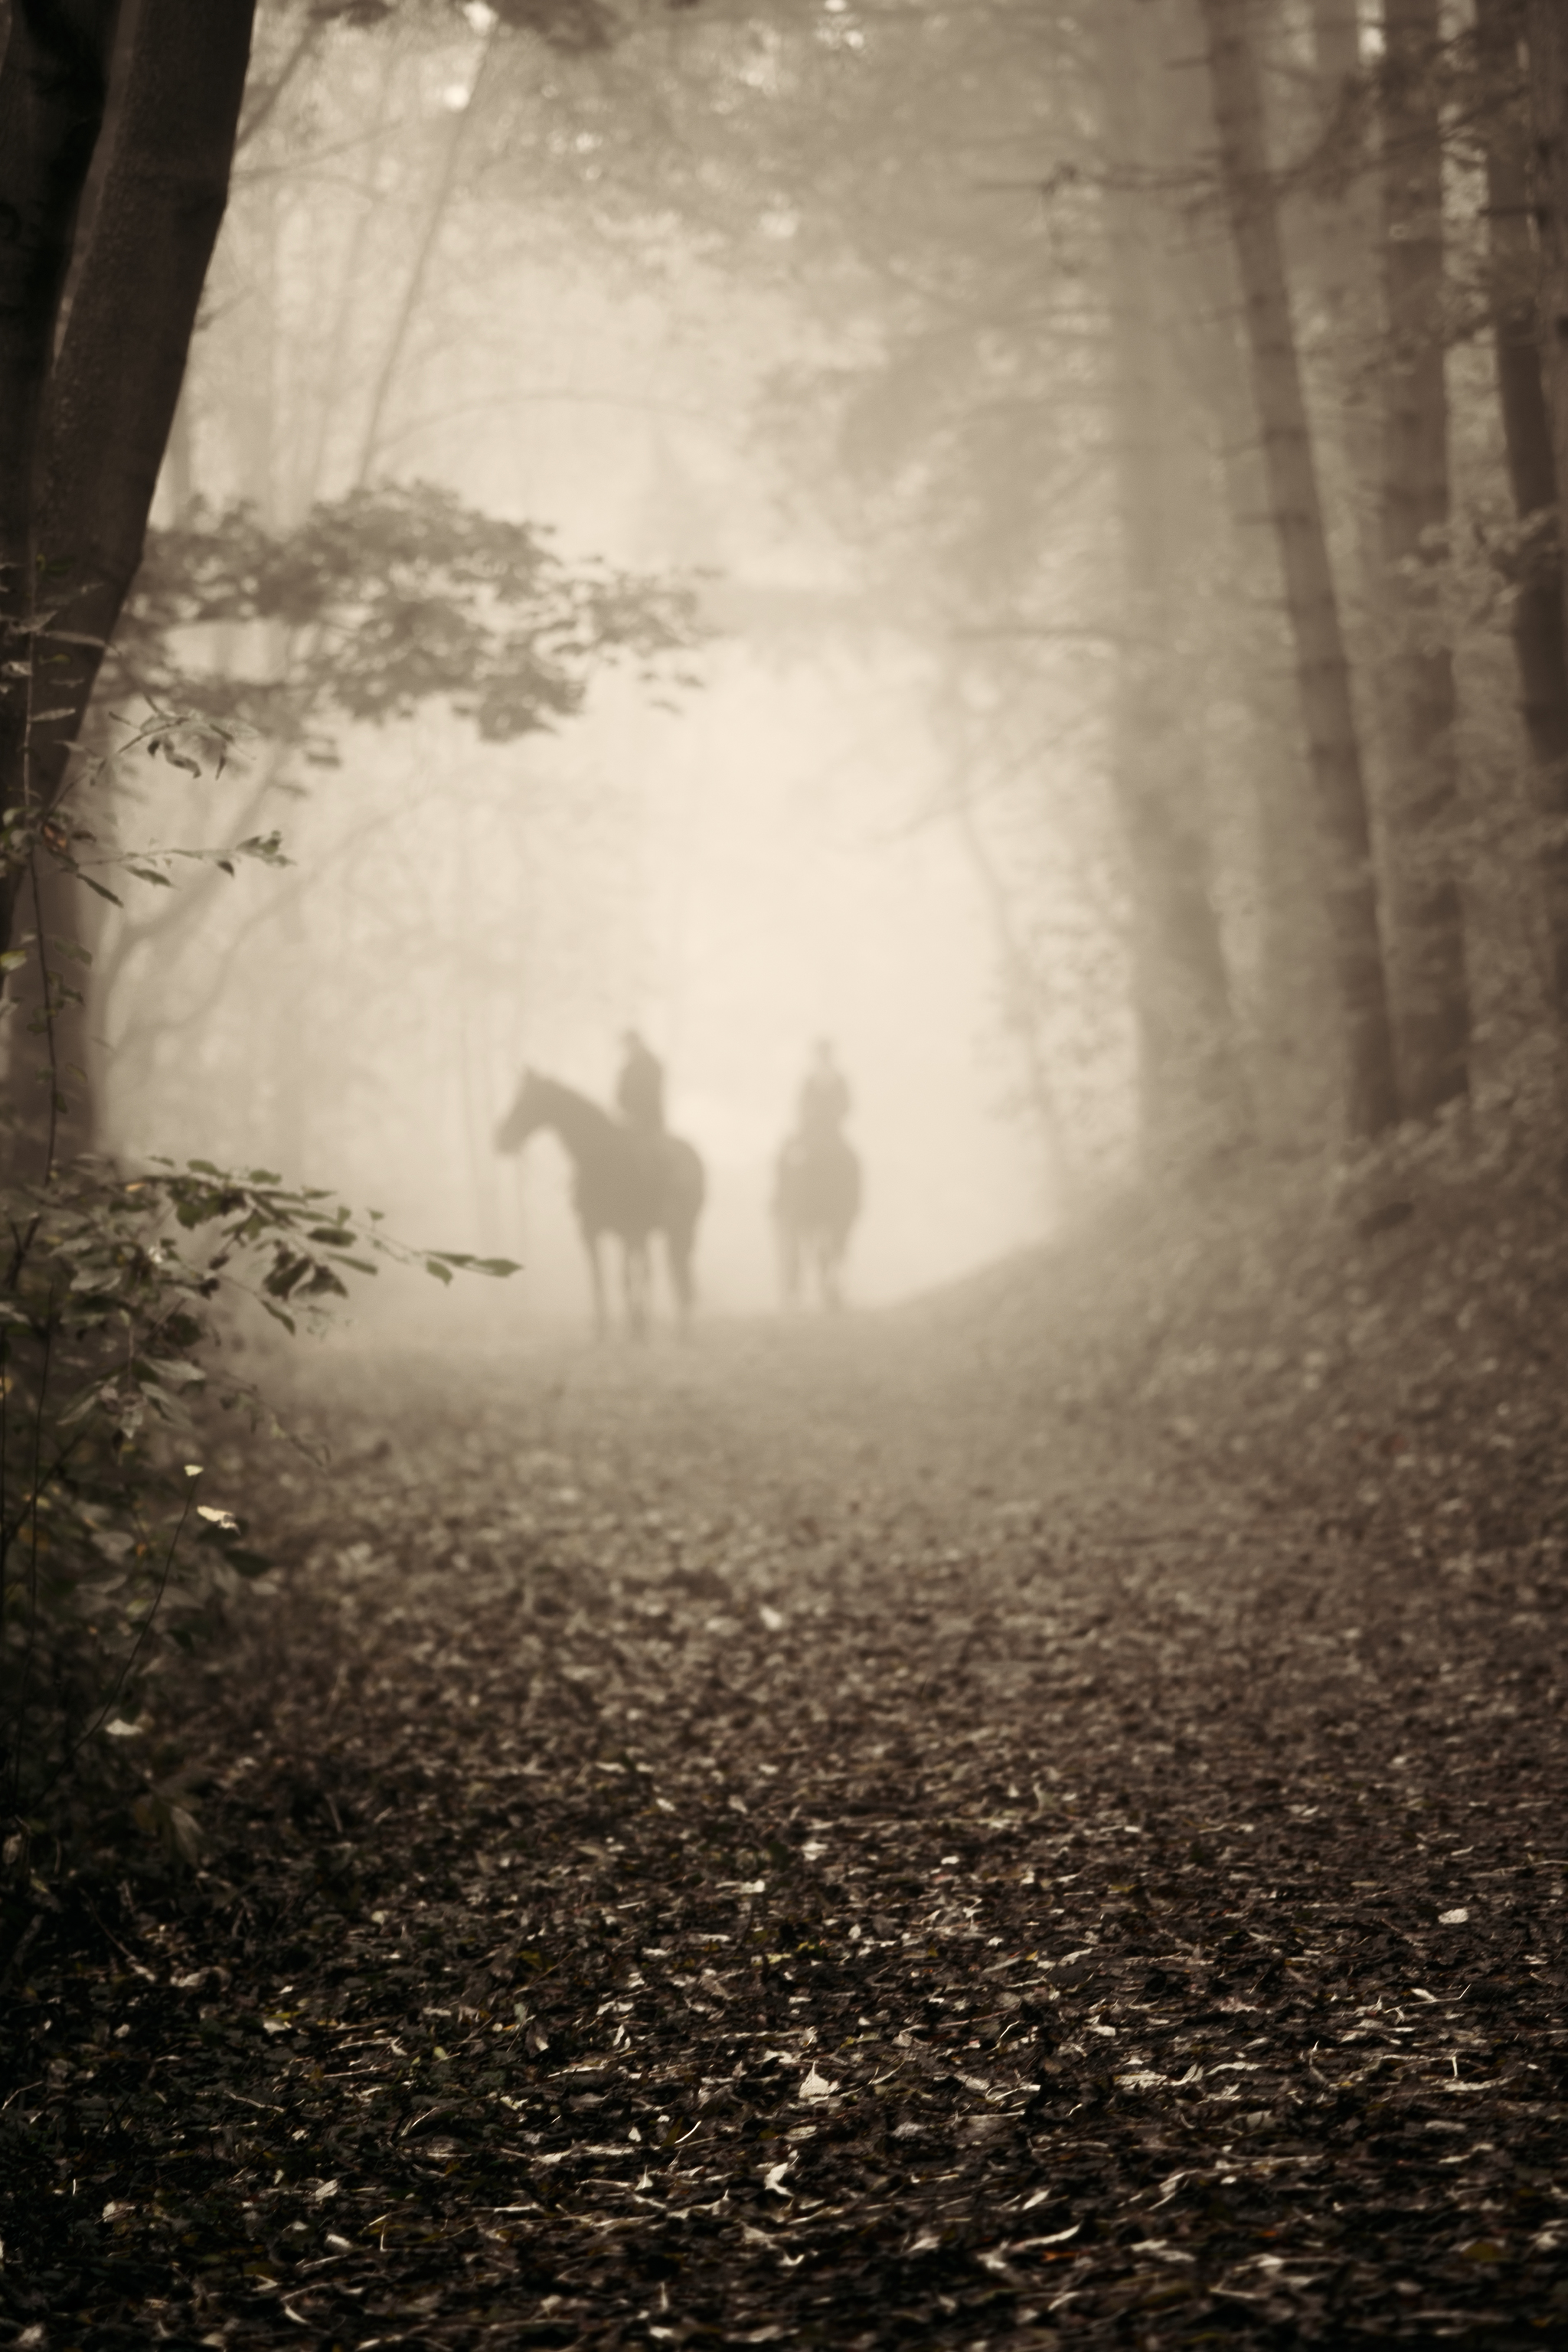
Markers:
1292,1052
1343,246
1540,641
1336,44
1025,991
1195,1104
1424,916
425,253
1322,673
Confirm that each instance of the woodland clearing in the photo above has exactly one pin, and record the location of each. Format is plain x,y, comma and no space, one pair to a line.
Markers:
1031,1816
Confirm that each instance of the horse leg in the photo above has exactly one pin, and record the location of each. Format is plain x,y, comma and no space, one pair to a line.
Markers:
597,1269
634,1262
790,1255
677,1249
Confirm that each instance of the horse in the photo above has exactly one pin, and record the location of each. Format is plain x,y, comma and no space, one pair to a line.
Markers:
630,1182
816,1199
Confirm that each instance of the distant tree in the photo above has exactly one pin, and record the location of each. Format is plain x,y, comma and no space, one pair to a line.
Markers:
1196,1095
1540,637
1547,32
1424,919
1322,668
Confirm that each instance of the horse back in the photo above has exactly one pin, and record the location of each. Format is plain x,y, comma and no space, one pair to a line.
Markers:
643,1184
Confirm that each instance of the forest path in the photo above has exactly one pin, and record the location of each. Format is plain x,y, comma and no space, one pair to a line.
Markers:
803,1837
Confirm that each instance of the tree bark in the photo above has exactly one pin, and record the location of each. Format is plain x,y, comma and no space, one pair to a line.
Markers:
115,384
1547,31
54,86
1539,640
1342,246
81,449
1322,673
1196,1101
1424,917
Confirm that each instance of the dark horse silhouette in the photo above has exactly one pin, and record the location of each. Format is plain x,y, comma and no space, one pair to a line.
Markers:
816,1199
628,1181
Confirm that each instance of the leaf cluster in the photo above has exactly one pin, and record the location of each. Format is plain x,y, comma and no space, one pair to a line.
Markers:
116,1297
381,600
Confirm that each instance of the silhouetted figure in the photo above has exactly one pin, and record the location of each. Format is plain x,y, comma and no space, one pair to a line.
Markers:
639,1090
816,1184
628,1180
824,1098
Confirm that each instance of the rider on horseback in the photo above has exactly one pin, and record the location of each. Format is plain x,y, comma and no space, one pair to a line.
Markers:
639,1090
816,1182
824,1099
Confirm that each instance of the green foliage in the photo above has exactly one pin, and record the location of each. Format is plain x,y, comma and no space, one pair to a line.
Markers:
115,1299
379,602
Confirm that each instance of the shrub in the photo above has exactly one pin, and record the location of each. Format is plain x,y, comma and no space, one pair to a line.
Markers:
115,1299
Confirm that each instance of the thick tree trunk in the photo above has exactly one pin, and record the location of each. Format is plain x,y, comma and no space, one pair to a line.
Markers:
117,380
53,84
1539,640
85,458
1547,27
1195,1103
1322,673
1424,916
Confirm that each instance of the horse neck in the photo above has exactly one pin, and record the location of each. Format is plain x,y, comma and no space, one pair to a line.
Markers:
580,1124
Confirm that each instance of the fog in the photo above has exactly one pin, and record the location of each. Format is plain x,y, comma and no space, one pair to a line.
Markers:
768,528
760,852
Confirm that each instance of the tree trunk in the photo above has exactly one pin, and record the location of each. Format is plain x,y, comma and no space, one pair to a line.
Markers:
1341,247
83,447
1540,641
1026,989
1195,1098
1423,919
115,384
1322,673
1293,1053
1547,35
54,85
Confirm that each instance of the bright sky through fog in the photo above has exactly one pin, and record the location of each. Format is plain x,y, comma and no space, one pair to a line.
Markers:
788,879
757,862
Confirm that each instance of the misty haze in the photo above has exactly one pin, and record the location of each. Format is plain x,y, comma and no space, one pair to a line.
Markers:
784,1127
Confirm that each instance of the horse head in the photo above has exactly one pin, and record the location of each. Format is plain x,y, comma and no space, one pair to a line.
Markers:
528,1113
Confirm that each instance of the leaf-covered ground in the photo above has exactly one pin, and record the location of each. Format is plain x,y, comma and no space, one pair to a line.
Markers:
859,1835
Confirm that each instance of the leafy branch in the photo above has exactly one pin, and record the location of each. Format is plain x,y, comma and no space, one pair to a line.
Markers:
115,1302
378,602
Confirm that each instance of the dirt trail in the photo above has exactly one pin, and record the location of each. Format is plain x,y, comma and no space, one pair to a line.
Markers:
802,1840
